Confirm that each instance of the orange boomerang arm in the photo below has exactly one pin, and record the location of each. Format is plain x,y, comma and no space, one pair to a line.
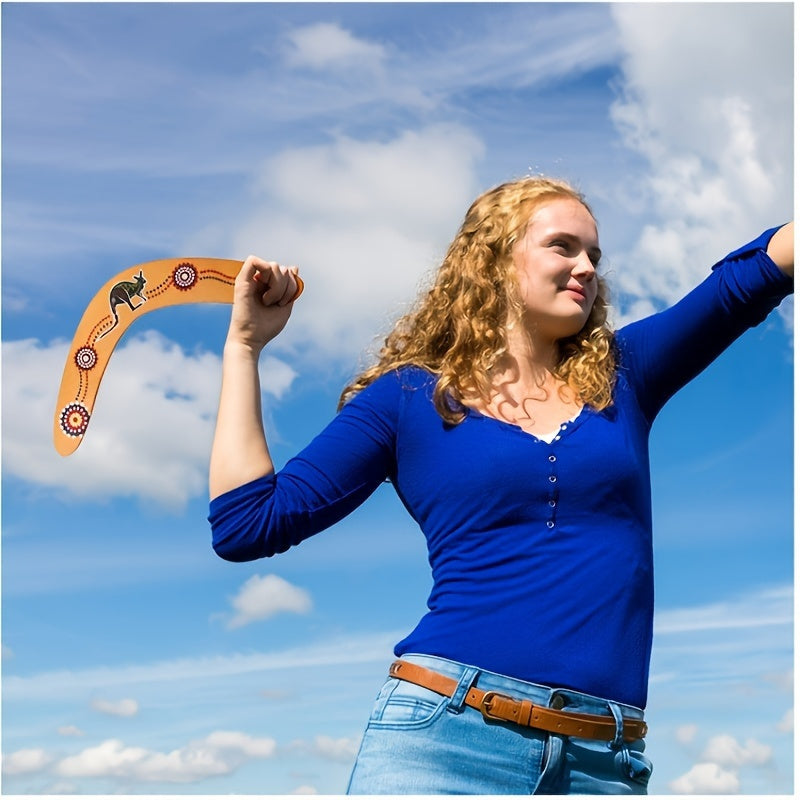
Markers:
124,298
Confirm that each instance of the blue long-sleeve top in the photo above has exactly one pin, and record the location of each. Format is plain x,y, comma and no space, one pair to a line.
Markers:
541,553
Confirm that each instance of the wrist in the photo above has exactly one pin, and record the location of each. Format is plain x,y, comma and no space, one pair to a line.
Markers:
241,350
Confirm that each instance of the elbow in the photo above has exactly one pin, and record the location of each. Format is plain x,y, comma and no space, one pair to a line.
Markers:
228,551
256,531
241,531
241,521
241,548
242,544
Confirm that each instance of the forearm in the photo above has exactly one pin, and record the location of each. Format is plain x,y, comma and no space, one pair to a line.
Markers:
262,302
781,249
239,453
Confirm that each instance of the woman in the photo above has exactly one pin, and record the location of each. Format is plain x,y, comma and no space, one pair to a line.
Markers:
513,425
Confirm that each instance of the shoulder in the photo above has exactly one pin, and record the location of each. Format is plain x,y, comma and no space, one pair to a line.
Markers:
406,378
388,390
411,377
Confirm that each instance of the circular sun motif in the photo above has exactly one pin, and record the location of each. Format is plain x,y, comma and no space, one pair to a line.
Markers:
86,357
74,419
184,276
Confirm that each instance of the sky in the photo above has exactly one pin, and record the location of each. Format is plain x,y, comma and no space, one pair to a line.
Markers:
349,139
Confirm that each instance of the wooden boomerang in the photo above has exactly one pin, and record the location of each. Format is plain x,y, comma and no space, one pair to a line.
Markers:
143,288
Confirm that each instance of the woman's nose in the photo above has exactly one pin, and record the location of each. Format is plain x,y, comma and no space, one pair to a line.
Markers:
584,267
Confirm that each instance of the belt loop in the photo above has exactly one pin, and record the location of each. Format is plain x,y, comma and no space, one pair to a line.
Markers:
618,742
456,704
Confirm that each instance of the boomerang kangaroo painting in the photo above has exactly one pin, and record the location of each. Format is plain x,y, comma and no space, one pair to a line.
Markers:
124,292
172,281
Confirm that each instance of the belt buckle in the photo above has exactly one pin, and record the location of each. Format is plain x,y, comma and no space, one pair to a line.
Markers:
487,701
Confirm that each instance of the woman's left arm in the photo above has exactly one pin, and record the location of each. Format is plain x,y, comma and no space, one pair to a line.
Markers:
781,249
663,352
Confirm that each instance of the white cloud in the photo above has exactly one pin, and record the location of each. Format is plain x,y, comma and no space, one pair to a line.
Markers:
715,130
783,680
116,708
706,779
685,733
235,741
70,731
767,607
75,79
343,749
786,724
263,597
220,753
365,221
25,761
727,752
353,649
275,694
108,758
707,654
326,45
720,762
151,429
62,787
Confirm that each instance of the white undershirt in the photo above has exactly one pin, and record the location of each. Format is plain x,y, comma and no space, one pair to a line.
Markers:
548,437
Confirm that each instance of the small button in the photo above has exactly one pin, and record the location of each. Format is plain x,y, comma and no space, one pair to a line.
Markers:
552,479
550,524
557,702
557,439
551,503
551,459
563,427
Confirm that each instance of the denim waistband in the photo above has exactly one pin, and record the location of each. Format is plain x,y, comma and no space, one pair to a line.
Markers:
551,697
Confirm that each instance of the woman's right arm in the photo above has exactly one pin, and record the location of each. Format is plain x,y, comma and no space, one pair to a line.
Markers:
327,480
263,297
256,511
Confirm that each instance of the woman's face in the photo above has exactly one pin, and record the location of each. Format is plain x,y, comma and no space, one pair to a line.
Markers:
555,262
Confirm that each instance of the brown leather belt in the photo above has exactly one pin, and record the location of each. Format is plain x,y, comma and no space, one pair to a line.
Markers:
498,706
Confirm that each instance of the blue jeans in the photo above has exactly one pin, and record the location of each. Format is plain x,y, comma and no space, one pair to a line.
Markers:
419,742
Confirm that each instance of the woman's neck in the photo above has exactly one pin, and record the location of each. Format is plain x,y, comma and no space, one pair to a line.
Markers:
524,389
529,356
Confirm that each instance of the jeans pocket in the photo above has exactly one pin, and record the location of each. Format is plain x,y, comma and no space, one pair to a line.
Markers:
634,766
401,704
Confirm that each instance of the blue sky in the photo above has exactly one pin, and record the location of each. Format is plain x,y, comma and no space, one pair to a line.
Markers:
349,139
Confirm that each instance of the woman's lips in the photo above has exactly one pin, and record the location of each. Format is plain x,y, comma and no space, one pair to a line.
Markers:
576,292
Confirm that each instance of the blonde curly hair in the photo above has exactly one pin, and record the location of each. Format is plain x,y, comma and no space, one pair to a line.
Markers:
458,328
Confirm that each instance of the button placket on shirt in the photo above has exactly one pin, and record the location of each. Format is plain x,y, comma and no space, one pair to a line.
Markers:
552,478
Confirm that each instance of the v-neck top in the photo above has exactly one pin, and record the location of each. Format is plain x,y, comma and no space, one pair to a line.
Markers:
540,552
551,435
